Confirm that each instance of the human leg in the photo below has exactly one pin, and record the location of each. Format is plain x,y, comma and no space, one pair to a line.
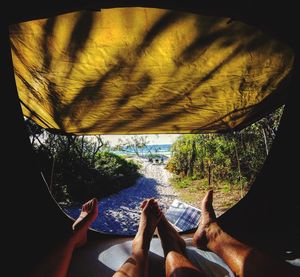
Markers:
242,259
137,264
176,262
57,263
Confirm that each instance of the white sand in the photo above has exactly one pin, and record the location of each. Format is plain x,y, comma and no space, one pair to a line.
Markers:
120,212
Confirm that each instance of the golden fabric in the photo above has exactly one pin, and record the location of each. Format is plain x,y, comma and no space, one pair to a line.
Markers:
145,70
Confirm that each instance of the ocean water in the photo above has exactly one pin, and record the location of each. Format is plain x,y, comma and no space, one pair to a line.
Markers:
160,149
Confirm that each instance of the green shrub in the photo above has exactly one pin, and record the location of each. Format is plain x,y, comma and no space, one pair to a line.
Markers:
184,183
79,176
114,165
226,186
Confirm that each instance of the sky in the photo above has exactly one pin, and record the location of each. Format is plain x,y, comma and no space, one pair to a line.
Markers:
153,139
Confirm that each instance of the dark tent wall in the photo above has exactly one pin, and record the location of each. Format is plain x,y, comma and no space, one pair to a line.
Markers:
30,215
267,217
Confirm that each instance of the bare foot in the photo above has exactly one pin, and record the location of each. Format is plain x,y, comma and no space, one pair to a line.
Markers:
170,239
89,212
149,219
207,222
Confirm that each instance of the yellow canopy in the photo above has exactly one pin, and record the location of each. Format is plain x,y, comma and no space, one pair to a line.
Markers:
146,70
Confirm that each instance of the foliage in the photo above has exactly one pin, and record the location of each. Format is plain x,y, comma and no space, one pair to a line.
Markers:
233,159
79,168
114,165
133,144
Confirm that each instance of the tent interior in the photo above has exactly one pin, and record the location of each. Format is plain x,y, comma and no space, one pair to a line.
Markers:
131,67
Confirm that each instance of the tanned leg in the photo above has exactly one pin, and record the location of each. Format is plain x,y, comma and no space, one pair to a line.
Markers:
57,264
177,264
137,264
242,259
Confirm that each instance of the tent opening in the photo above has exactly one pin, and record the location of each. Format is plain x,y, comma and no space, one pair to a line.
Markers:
177,170
139,71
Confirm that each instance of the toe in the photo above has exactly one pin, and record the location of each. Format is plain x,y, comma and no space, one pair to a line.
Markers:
144,203
207,204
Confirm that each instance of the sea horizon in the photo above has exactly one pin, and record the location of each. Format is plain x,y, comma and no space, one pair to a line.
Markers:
162,149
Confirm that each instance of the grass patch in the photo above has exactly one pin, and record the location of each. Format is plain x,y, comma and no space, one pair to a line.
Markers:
226,187
192,191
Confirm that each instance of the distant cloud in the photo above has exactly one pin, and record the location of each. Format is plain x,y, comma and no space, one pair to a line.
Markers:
153,139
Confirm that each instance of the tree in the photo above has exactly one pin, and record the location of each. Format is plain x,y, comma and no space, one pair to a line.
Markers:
135,144
235,157
75,167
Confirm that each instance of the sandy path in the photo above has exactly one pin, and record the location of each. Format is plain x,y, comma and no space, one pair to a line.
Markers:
119,213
